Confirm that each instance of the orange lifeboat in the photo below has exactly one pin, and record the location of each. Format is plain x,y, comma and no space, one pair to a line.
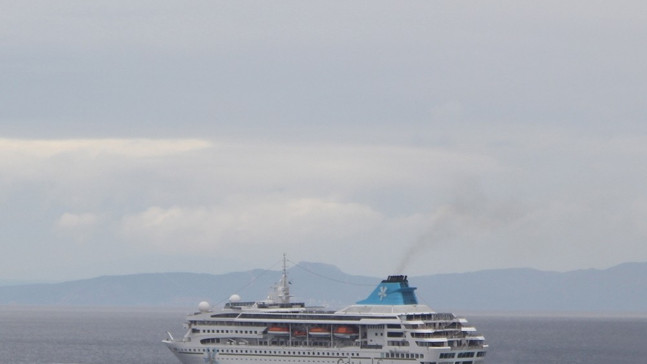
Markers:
346,332
278,330
299,333
319,331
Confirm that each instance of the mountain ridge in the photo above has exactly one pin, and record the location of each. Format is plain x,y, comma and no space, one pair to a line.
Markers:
620,288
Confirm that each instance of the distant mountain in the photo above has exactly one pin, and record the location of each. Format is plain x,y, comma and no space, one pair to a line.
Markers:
622,288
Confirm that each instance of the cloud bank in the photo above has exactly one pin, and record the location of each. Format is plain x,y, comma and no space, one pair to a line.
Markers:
223,205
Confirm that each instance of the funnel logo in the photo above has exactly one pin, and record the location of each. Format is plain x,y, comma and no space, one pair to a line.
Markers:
382,293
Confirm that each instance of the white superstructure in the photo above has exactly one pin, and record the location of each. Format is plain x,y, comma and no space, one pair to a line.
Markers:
388,327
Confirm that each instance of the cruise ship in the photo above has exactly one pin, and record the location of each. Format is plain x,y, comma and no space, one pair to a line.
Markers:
388,327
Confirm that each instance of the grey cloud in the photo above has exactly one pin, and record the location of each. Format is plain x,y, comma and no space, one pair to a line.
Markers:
297,71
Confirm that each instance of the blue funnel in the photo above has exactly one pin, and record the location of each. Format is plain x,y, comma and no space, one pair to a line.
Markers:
394,290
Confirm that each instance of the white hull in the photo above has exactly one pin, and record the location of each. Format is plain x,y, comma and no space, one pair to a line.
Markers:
241,354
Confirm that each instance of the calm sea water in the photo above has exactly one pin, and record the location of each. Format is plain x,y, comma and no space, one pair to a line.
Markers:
564,339
129,335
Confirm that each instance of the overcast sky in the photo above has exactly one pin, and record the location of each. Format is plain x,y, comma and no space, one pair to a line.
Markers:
382,137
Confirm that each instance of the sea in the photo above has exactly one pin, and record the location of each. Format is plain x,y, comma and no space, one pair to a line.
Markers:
95,335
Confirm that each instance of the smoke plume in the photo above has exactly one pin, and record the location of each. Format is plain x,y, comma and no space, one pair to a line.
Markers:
471,215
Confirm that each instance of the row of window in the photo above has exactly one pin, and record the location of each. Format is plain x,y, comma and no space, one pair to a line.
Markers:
465,354
228,331
281,352
402,356
430,317
435,325
314,342
218,331
435,344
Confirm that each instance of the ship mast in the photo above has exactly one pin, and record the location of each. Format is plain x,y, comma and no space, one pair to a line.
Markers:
283,289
